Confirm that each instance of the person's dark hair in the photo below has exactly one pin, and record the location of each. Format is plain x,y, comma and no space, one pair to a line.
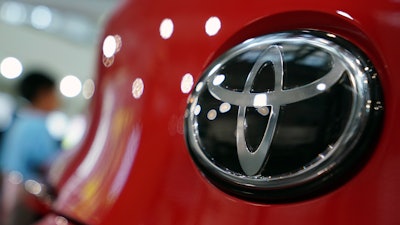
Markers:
34,82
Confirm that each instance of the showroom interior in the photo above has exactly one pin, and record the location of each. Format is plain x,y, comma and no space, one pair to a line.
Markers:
60,38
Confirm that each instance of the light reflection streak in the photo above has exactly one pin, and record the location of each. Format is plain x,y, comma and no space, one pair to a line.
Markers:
321,87
109,46
199,86
260,100
212,114
107,62
187,83
112,44
197,110
224,107
213,25
218,79
264,111
344,14
100,140
137,88
127,162
166,28
331,35
88,89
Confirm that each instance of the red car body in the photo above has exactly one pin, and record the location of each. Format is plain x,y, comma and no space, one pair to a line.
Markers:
133,166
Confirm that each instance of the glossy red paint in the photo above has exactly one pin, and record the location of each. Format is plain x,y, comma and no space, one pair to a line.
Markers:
134,168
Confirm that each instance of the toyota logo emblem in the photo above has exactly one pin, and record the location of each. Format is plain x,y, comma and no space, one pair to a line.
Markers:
278,117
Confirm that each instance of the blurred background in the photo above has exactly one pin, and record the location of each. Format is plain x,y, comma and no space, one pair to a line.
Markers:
60,37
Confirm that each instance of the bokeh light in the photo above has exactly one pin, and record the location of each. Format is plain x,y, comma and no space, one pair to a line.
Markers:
41,17
70,86
11,67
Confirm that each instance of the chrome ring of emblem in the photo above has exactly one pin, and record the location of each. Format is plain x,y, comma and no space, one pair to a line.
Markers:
344,63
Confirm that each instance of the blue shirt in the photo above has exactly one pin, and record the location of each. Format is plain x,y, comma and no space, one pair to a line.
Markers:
28,146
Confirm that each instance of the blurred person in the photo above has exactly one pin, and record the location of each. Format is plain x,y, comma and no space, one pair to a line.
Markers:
27,147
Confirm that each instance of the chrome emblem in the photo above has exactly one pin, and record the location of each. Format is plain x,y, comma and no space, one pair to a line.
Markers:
281,111
252,162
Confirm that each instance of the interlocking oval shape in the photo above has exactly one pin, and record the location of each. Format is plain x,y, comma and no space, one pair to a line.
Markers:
252,162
